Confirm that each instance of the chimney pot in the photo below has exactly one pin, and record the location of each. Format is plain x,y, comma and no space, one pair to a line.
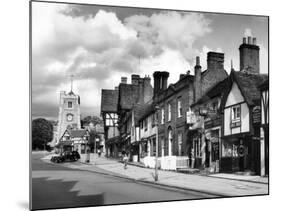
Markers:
124,80
244,40
254,40
197,61
249,40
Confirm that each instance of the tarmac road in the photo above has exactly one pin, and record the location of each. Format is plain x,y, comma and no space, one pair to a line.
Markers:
57,186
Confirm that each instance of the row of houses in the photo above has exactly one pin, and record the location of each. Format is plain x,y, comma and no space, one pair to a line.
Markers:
209,120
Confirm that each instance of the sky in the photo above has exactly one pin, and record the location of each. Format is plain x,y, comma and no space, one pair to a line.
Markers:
99,44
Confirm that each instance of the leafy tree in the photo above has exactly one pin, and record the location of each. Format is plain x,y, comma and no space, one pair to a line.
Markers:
91,119
42,133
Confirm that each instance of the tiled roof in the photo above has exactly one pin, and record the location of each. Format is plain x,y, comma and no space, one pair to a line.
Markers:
215,91
109,100
77,133
142,111
128,95
249,85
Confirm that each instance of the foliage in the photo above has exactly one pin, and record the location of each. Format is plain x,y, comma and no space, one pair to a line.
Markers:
42,133
95,120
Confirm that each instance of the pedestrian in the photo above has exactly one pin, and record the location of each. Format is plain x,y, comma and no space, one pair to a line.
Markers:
99,152
125,160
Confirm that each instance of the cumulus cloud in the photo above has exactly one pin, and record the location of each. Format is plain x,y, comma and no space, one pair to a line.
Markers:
100,48
248,32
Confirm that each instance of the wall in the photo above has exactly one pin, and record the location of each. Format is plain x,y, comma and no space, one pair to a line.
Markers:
235,97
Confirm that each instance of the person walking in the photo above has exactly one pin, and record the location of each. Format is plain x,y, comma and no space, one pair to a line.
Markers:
99,152
125,159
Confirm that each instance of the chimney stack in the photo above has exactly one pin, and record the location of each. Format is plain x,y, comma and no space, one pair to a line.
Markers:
249,56
135,79
215,61
160,81
123,80
197,81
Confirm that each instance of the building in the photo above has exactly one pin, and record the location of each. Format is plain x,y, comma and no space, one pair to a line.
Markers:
241,106
74,140
175,137
136,94
69,113
264,88
109,102
207,130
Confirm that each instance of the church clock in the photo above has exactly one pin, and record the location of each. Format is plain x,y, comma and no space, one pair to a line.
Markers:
69,117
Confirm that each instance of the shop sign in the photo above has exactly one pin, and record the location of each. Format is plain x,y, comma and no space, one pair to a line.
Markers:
190,117
203,111
256,114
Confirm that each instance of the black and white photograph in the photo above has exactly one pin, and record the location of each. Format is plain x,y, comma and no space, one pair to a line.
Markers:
137,105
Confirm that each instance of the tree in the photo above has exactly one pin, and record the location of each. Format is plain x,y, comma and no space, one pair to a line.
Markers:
91,119
42,133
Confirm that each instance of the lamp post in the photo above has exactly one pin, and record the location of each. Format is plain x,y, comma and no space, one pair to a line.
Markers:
156,144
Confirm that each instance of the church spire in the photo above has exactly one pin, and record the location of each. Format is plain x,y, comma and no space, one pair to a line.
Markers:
71,84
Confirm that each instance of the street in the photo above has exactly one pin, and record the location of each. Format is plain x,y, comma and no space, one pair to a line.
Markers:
57,186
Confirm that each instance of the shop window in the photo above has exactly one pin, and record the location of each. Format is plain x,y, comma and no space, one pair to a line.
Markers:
229,149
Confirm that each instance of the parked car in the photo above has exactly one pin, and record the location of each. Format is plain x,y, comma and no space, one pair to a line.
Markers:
66,156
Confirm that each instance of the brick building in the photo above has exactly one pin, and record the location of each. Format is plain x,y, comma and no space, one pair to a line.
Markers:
174,101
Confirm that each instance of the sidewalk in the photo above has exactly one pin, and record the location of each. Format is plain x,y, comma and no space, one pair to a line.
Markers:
218,184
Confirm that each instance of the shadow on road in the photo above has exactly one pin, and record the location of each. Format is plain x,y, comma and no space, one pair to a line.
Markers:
59,195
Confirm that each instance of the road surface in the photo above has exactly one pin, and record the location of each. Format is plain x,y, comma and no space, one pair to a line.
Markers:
57,186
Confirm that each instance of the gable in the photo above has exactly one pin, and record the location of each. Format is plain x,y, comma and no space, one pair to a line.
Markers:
235,96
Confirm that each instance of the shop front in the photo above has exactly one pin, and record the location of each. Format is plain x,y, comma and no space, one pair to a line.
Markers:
236,153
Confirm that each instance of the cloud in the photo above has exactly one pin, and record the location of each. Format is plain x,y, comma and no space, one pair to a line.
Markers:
248,32
99,48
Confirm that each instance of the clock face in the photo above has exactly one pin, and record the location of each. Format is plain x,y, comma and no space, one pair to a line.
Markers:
69,117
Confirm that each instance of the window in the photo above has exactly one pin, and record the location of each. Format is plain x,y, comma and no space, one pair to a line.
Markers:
235,116
145,124
69,104
162,115
179,143
169,112
153,119
179,108
236,113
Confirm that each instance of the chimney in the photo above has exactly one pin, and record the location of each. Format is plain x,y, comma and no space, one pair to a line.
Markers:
135,79
165,76
182,76
116,88
160,81
215,61
147,89
249,56
157,79
123,80
244,40
197,81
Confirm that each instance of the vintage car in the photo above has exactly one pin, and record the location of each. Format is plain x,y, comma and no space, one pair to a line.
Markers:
66,156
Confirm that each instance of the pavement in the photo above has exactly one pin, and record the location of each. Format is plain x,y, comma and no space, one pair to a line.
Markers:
220,184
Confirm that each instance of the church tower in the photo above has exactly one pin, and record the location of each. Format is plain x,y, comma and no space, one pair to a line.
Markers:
69,112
